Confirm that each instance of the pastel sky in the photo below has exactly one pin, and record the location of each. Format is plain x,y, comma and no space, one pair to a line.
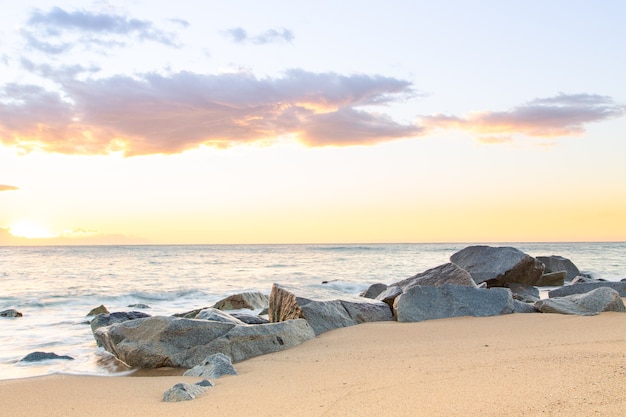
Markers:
162,122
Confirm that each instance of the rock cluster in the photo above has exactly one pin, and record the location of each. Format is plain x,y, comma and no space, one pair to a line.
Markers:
479,281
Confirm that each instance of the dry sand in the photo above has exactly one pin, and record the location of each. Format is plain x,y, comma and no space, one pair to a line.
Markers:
514,365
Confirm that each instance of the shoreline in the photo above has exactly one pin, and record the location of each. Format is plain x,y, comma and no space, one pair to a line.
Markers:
513,365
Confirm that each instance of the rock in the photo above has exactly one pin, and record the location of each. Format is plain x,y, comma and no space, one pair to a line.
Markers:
374,290
101,309
324,309
590,303
553,279
586,279
250,318
441,275
44,356
249,300
217,315
155,342
620,287
523,292
244,342
102,320
420,303
214,366
10,313
190,314
389,295
498,266
557,263
522,307
185,392
142,306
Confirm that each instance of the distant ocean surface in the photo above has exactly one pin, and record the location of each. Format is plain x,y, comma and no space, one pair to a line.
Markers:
55,287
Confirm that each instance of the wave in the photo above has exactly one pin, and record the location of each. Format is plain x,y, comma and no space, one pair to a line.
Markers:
341,248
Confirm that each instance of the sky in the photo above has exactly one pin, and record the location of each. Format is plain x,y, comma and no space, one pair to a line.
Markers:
192,122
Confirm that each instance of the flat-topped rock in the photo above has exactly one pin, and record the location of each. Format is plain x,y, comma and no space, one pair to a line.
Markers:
582,288
324,309
498,266
590,303
419,303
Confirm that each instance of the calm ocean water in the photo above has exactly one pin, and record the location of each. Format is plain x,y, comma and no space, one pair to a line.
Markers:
55,287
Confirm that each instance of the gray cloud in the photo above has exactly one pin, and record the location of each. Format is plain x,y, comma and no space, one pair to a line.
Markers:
48,31
561,115
154,113
7,187
239,35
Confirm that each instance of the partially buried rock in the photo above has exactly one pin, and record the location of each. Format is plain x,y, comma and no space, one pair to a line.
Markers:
44,356
420,303
214,366
498,266
186,392
101,309
591,303
10,313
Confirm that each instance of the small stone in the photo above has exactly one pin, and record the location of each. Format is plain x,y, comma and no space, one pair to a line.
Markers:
10,313
185,392
43,356
101,309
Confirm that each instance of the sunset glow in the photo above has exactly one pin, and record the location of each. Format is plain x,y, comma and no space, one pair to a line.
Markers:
266,122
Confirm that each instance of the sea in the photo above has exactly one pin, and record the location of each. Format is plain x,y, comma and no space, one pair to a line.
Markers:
55,287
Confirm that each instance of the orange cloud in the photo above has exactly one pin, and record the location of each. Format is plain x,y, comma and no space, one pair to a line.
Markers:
562,115
167,114
7,187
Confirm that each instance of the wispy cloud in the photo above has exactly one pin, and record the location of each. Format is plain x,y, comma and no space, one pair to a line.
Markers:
56,31
7,187
561,115
239,35
154,113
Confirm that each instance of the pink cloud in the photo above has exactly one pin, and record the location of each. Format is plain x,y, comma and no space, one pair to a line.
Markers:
165,114
562,115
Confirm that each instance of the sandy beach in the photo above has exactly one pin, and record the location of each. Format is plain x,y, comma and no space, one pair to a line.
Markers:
513,365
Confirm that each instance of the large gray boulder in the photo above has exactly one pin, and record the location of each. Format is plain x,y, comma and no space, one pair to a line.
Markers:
555,263
620,287
247,300
155,342
420,303
441,275
214,366
324,309
590,303
498,266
